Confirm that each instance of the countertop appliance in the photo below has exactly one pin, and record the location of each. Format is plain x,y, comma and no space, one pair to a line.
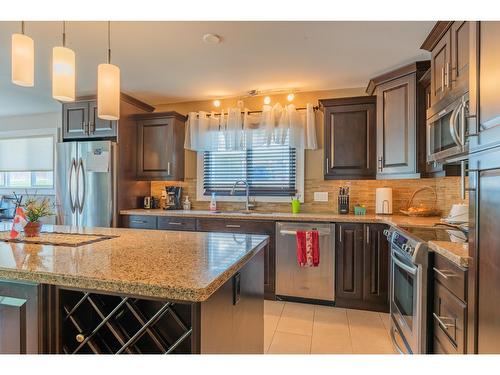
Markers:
447,132
173,201
97,179
305,283
383,200
408,291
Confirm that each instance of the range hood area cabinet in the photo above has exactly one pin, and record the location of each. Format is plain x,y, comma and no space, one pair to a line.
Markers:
448,43
80,120
349,133
160,139
401,106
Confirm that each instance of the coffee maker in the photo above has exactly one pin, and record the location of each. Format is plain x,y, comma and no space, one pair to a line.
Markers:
173,201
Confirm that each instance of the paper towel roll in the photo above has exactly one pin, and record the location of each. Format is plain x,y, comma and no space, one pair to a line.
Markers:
383,200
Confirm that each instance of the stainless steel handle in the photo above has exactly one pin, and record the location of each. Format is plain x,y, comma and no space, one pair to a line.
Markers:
442,79
453,125
394,342
294,232
327,164
82,203
139,221
412,271
233,226
91,127
440,321
441,273
380,164
168,168
463,122
72,203
86,128
340,233
174,223
367,234
447,74
462,179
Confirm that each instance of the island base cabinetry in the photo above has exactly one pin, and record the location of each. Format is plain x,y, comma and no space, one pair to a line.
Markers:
230,321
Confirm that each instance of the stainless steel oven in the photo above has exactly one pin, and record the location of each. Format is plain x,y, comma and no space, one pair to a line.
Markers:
408,292
447,131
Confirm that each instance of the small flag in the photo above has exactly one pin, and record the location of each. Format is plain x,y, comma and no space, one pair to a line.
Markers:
19,223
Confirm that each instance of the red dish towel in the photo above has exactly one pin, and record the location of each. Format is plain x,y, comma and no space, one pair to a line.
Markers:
308,248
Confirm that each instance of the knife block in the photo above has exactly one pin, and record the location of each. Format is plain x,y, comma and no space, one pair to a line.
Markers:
343,204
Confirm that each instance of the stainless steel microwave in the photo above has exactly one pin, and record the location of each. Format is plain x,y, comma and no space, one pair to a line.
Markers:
447,132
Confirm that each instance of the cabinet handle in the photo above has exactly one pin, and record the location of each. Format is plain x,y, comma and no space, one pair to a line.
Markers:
233,226
340,233
380,164
327,165
441,273
442,79
91,127
440,321
174,223
447,73
368,234
138,221
86,128
168,168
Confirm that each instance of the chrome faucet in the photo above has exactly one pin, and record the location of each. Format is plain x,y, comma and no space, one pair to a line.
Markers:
249,206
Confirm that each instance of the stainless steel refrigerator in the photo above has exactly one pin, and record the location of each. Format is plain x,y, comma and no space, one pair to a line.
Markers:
86,184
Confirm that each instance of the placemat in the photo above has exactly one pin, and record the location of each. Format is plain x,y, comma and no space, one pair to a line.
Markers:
57,238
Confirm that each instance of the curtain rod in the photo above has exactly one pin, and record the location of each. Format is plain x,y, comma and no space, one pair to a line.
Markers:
315,108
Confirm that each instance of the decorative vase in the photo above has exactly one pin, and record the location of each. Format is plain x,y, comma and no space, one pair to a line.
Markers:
32,229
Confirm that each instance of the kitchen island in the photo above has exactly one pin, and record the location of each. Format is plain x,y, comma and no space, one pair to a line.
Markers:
108,290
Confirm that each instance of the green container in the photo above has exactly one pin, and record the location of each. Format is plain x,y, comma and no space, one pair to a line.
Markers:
295,206
358,210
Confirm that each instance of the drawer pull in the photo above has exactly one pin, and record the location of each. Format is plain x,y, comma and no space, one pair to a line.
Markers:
233,226
139,221
175,223
441,273
440,321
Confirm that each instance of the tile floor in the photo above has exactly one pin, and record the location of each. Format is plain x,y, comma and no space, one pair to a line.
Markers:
295,328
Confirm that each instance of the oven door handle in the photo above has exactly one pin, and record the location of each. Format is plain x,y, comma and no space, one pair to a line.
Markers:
410,270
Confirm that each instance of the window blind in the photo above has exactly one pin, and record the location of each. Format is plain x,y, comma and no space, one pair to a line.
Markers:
27,154
269,171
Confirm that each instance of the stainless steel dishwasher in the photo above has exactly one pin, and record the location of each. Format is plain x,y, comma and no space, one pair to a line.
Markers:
313,283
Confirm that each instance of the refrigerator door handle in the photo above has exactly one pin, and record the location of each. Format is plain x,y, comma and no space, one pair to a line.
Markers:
72,201
82,169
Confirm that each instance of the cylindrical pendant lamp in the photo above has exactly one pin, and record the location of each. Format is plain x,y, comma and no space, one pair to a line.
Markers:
23,60
108,87
63,72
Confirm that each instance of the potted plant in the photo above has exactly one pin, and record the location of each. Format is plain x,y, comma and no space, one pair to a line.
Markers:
34,210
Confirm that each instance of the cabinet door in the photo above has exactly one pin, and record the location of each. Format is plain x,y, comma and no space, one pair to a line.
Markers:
75,120
139,221
19,327
100,128
349,265
350,141
376,268
484,106
440,68
460,55
155,149
396,128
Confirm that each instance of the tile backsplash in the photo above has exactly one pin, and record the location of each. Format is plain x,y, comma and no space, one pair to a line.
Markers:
361,191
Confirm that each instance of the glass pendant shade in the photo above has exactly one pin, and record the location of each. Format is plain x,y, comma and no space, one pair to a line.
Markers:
23,60
63,74
108,92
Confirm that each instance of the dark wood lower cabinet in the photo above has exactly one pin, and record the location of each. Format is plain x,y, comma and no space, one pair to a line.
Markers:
21,331
362,267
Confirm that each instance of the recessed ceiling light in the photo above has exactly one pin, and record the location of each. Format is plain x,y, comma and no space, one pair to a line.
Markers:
212,39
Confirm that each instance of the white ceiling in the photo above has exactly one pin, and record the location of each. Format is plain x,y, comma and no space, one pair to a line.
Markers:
164,62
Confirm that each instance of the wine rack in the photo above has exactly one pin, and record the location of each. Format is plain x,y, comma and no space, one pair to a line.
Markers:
92,323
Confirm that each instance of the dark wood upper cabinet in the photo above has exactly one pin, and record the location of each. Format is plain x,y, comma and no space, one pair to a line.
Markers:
484,106
160,138
80,120
349,130
460,55
401,104
21,331
441,68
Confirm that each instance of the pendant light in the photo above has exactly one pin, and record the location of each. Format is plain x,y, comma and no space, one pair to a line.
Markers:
63,71
108,87
23,59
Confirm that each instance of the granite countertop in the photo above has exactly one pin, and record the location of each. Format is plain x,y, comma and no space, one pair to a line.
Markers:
186,266
284,216
457,252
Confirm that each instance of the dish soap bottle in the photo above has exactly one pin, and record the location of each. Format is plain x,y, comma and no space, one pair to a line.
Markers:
186,205
213,203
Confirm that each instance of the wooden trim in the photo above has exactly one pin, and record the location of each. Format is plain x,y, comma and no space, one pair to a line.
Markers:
347,101
426,78
154,115
124,97
423,65
435,35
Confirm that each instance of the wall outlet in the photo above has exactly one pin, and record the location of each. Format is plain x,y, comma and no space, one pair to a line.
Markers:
321,196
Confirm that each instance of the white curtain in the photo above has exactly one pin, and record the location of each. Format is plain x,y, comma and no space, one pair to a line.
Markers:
235,130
